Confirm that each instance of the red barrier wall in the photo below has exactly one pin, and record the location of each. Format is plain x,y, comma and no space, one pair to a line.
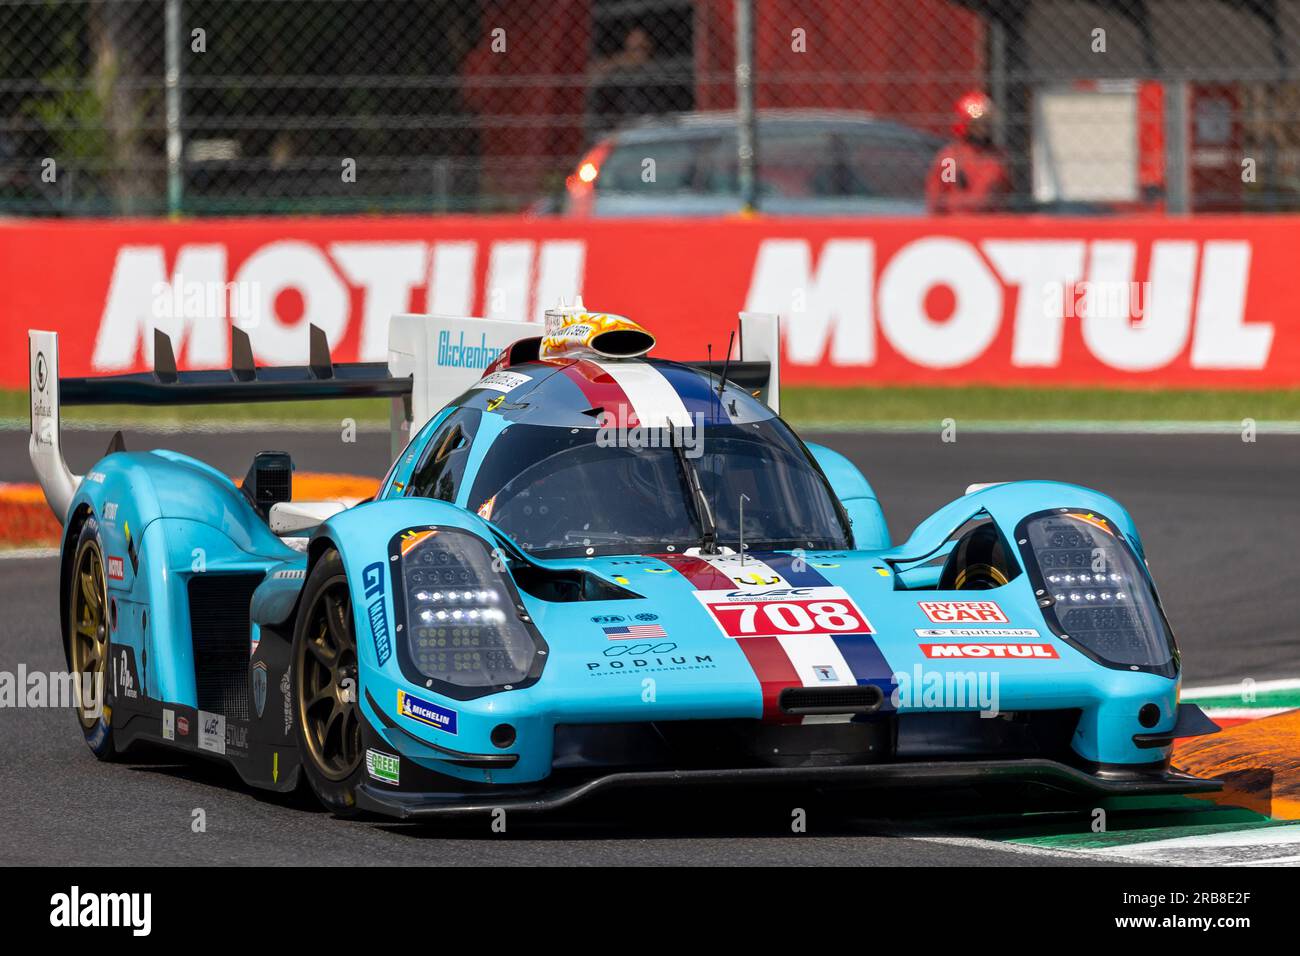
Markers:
1006,300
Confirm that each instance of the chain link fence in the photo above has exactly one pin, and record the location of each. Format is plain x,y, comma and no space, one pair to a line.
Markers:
200,107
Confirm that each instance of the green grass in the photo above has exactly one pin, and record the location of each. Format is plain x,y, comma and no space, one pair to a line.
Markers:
799,405
365,411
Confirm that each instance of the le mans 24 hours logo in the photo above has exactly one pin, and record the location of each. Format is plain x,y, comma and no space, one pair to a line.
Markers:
426,712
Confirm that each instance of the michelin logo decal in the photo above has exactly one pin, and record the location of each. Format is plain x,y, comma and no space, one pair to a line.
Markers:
426,712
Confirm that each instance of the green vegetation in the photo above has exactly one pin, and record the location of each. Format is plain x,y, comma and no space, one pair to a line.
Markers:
842,407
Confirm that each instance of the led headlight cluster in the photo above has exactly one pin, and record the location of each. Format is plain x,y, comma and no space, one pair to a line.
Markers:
1094,592
461,624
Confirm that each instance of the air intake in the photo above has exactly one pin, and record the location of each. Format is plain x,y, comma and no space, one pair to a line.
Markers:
863,699
219,627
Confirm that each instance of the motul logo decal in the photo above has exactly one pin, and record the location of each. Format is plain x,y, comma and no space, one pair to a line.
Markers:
1021,651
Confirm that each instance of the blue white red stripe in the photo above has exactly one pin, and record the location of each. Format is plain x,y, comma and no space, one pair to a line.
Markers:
792,660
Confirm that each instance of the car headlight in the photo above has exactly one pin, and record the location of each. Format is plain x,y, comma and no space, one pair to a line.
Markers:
461,618
1094,592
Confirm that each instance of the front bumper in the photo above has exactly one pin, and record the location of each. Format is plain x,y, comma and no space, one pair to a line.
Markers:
900,775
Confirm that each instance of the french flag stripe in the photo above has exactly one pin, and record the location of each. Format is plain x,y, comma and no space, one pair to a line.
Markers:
867,663
655,401
775,673
810,651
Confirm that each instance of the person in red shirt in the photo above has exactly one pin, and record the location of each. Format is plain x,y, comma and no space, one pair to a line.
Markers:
969,174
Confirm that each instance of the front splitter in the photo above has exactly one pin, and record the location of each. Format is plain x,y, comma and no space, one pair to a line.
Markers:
897,776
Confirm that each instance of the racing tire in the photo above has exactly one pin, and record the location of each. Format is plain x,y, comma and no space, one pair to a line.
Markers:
979,562
325,688
88,641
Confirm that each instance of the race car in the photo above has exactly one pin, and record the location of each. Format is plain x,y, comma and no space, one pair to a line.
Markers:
590,569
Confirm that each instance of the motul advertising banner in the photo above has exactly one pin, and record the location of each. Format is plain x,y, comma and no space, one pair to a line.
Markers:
1000,300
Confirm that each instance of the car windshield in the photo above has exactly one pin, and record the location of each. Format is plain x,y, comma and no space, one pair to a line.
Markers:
562,492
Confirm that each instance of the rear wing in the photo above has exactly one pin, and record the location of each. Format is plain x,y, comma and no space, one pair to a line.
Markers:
244,381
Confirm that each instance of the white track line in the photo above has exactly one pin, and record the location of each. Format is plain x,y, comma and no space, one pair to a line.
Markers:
979,843
1229,690
28,553
1251,847
1247,713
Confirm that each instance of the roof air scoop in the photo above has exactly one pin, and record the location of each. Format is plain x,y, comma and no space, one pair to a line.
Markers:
573,332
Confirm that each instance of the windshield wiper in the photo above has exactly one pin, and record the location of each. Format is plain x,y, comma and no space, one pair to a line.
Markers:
709,528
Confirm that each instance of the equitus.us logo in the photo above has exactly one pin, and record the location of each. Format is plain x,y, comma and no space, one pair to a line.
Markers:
284,285
77,909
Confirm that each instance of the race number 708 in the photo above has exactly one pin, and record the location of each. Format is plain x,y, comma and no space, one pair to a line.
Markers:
777,618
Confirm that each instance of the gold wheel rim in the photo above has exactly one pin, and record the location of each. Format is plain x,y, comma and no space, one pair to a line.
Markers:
88,623
325,668
976,577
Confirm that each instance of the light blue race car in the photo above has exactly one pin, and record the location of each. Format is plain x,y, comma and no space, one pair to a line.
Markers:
589,570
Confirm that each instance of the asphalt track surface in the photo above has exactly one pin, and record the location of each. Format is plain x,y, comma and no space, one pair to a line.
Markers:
1219,518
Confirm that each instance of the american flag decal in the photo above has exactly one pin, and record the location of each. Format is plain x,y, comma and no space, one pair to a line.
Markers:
628,632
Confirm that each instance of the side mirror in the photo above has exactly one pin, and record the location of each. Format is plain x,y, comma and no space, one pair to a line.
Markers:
870,533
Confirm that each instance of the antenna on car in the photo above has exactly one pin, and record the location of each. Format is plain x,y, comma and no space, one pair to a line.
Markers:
726,364
743,498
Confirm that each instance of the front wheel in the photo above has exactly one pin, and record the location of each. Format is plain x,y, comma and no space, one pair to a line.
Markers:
88,641
325,687
978,562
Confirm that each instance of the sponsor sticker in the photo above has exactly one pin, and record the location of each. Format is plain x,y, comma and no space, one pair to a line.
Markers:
116,568
183,726
631,632
124,676
169,724
372,579
503,381
986,650
426,712
259,687
212,732
963,612
288,703
383,767
825,673
974,632
785,612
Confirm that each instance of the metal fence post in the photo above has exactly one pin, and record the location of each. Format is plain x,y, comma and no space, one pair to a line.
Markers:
175,183
746,125
1177,133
